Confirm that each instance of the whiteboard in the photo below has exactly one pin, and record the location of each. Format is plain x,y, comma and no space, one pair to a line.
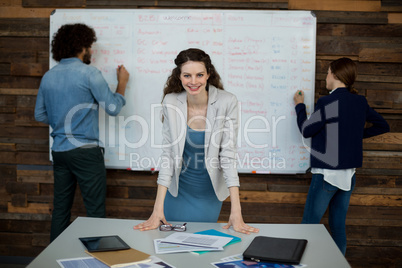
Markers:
263,57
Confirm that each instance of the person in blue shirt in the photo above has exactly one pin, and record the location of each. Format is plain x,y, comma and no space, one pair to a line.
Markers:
200,125
337,129
68,100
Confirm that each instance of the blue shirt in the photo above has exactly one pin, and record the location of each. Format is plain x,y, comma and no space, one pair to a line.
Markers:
68,100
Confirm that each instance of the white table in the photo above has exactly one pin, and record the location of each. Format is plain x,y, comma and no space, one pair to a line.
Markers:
321,250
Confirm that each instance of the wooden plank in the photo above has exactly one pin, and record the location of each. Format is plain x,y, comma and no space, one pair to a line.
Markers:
33,158
357,190
253,186
22,188
389,111
5,68
18,83
300,198
10,56
374,242
130,202
374,232
7,119
394,18
32,208
377,190
389,172
375,180
376,52
8,172
117,192
7,110
29,69
19,200
33,148
26,43
31,27
363,257
25,132
43,57
328,45
376,200
15,226
53,3
142,192
391,5
340,5
383,154
10,147
393,97
18,91
379,69
375,212
8,158
40,240
25,117
388,31
387,138
20,12
288,188
382,162
17,238
26,101
34,173
129,212
15,250
8,101
369,78
267,4
46,198
25,217
346,17
379,78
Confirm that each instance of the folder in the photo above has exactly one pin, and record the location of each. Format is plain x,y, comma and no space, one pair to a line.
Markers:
121,258
235,239
275,250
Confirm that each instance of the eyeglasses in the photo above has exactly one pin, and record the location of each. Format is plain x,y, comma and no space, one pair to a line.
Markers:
177,228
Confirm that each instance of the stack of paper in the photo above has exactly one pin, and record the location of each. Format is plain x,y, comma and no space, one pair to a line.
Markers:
185,242
235,239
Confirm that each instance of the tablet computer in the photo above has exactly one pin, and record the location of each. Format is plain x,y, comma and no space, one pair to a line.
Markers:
103,243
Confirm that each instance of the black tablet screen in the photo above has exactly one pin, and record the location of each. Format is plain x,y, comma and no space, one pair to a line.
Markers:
103,243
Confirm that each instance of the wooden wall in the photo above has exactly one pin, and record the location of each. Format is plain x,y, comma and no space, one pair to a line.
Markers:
370,32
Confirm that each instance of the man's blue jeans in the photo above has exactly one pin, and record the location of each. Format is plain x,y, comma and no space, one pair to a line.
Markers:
322,195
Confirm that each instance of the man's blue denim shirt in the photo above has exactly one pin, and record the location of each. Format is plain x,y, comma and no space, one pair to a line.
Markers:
68,100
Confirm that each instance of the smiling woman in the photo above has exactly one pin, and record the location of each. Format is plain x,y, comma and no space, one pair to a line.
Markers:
206,168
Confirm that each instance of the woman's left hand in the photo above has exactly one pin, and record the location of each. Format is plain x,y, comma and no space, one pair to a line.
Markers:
239,226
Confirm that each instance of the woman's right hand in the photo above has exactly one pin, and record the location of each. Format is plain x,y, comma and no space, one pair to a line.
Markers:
152,223
298,97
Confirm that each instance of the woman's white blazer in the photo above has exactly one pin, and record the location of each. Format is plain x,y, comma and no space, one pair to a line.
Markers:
220,140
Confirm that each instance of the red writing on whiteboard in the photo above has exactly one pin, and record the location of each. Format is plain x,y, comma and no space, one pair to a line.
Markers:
105,52
119,52
147,18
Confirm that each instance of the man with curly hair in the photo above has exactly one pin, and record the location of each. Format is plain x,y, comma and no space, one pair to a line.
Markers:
68,100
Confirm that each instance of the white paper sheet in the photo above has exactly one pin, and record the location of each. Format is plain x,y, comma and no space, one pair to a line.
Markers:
205,241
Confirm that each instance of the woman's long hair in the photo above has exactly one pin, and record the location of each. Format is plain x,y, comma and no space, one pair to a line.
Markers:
344,69
174,85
